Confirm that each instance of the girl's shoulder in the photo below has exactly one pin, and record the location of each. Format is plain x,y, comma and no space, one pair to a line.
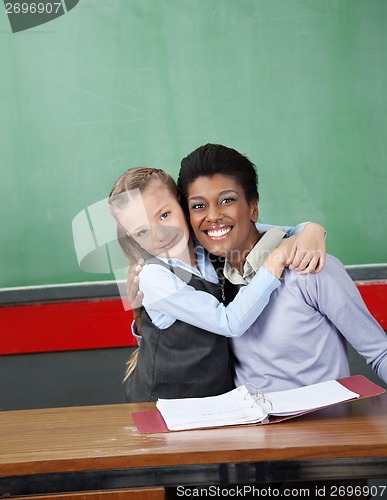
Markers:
157,273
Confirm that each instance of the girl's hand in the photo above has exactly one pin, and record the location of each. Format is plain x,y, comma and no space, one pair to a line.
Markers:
277,259
308,254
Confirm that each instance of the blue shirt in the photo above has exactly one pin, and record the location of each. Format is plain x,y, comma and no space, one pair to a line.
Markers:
300,337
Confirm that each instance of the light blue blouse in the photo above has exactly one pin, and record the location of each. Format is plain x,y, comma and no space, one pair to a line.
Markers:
167,298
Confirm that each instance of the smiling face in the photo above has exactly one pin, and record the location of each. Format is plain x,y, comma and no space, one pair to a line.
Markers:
221,217
156,221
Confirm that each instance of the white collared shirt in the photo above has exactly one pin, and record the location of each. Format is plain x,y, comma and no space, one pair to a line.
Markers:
256,257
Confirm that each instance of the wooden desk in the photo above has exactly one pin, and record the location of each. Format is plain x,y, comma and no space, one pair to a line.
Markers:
98,448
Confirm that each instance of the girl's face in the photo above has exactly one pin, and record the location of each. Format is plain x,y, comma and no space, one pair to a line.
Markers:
156,221
221,218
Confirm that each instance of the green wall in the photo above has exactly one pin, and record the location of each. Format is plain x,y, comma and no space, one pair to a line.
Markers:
298,85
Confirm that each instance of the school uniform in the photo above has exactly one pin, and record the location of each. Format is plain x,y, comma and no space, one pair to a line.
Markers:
182,360
184,351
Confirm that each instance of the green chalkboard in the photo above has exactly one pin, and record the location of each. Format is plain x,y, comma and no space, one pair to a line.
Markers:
300,86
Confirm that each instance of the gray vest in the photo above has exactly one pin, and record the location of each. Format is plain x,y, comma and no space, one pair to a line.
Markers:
180,361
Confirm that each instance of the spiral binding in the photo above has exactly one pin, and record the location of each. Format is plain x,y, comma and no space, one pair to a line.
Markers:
256,394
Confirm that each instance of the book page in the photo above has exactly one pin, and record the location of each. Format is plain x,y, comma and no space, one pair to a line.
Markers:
234,407
309,397
240,407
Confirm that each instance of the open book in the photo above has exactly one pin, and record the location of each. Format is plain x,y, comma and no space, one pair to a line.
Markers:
246,405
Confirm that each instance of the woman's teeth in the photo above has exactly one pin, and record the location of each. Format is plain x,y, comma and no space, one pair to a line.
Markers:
216,233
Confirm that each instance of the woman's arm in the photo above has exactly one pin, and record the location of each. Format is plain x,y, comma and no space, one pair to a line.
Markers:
336,296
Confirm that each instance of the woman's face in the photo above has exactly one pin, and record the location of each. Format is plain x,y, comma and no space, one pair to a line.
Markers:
221,217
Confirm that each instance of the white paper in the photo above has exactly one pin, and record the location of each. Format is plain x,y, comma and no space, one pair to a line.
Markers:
240,407
309,397
234,407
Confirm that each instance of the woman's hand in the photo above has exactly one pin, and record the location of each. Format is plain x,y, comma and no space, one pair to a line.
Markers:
135,295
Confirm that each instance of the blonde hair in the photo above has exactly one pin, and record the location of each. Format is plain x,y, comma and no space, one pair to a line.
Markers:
131,364
135,178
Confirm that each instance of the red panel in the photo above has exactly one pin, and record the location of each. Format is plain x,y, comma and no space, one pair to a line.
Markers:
96,324
374,294
64,326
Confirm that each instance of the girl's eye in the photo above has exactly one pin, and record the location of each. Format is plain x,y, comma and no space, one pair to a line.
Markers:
142,232
164,215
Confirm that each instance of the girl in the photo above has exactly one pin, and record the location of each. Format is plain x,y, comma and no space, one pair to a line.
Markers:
182,296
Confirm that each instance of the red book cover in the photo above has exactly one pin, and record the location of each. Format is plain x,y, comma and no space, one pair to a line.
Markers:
151,421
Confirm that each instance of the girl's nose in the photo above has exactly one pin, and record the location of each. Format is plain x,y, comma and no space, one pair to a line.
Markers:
160,233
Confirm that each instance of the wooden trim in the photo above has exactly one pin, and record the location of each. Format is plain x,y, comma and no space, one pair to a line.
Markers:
59,293
121,494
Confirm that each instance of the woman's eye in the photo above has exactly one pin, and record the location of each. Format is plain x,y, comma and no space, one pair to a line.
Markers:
197,206
227,200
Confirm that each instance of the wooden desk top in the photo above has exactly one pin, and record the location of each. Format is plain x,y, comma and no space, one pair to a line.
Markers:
104,437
